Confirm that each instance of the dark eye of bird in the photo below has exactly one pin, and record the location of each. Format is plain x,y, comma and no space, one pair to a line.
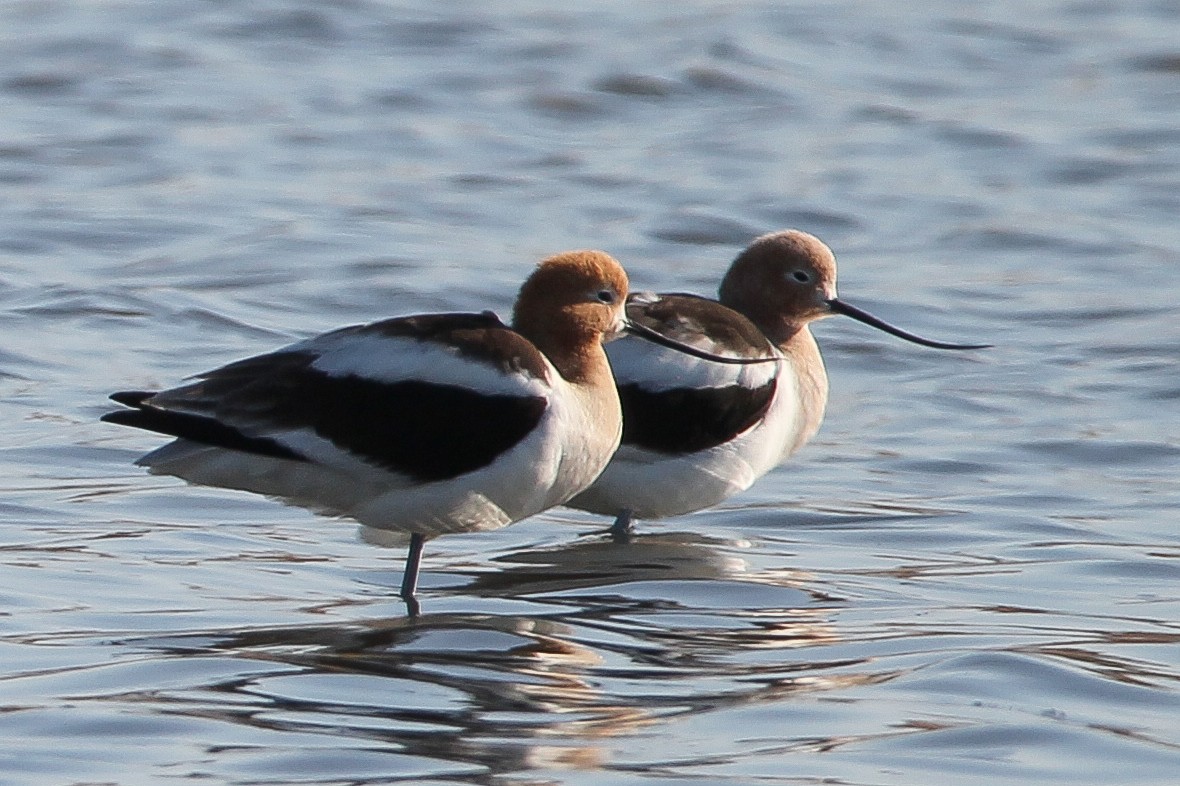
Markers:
606,296
801,276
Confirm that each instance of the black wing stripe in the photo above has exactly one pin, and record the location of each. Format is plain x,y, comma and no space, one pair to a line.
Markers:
426,431
687,420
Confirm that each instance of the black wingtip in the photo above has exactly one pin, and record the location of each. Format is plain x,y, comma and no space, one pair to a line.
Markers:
132,398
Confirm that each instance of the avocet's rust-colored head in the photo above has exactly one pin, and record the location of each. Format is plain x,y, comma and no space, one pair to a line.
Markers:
576,296
785,280
782,281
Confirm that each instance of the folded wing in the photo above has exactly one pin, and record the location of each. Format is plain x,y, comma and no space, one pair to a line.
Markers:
429,398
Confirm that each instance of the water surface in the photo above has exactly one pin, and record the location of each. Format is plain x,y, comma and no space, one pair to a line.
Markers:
969,576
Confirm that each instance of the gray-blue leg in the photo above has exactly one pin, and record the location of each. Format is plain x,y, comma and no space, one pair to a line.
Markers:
410,577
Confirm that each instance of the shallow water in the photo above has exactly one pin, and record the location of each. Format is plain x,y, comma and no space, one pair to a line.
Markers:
970,575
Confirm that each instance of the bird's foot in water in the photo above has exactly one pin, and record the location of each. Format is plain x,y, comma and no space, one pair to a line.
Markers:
623,530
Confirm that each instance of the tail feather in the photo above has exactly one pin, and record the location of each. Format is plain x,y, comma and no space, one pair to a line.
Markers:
195,428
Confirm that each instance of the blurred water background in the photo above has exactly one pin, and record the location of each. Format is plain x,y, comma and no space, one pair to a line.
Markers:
972,575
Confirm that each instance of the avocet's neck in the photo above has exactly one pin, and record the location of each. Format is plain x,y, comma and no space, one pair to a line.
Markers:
585,365
576,354
811,381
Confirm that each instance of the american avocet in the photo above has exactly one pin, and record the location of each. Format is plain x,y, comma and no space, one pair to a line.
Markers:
695,433
424,424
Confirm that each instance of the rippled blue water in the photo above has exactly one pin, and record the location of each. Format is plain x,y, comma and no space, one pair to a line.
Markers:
970,576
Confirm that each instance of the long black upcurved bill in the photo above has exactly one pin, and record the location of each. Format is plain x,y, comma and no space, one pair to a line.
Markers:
656,337
840,307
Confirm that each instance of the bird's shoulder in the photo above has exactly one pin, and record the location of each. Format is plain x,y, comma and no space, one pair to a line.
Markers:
428,347
698,322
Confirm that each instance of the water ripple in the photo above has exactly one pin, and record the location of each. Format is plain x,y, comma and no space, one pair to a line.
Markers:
968,576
